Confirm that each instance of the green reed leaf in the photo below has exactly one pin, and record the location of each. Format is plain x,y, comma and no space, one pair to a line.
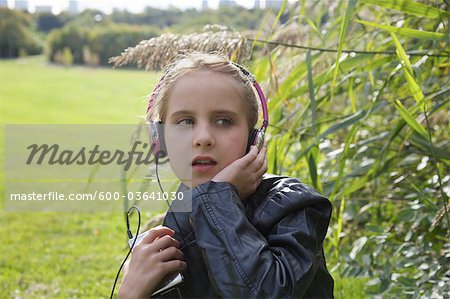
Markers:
410,7
410,120
408,73
344,25
409,32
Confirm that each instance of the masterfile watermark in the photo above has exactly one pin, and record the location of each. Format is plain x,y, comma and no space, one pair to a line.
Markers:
54,155
95,168
97,195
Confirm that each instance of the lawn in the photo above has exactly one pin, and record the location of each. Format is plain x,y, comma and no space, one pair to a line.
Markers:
64,255
71,255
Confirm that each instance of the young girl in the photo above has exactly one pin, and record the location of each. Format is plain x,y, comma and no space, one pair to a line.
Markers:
249,234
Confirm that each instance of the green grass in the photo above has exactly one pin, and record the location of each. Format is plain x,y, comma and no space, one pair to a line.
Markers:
35,92
59,255
63,255
71,255
345,287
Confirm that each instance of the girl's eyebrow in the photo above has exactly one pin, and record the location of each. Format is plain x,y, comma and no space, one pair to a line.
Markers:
181,113
191,112
228,112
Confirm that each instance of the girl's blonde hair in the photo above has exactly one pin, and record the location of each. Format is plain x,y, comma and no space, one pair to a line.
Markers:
195,62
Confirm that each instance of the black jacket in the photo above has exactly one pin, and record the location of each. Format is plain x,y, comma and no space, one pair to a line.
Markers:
268,246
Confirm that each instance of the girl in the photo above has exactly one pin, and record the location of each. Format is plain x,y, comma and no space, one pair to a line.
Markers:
249,234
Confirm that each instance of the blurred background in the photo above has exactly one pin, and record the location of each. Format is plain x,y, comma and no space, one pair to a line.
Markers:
359,106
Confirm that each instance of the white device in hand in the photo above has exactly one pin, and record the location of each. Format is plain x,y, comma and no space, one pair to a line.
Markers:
168,284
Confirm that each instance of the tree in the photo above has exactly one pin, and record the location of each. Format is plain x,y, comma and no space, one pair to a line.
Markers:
110,40
17,35
72,37
45,22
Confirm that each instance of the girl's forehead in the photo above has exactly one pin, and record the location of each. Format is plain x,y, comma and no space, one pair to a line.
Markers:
206,88
206,83
205,78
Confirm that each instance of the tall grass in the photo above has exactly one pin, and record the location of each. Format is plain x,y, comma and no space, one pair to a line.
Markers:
73,255
361,113
370,129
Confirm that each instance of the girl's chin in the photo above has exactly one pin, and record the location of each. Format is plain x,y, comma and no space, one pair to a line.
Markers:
195,182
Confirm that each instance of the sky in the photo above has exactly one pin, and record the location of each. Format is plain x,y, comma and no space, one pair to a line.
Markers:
130,5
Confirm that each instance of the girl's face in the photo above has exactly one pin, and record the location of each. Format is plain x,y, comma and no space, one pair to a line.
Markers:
211,105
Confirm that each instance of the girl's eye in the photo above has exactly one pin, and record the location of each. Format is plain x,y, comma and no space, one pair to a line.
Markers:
185,122
224,122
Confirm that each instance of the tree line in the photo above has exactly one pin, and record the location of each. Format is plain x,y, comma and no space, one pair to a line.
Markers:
92,36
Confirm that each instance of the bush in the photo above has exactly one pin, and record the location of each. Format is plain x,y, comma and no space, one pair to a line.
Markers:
71,37
98,43
46,21
110,40
66,57
16,34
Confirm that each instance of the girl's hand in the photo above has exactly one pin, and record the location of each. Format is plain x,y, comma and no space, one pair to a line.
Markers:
154,259
245,173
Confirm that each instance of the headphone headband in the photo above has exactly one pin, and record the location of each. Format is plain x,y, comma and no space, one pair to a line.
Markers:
261,96
154,94
256,136
245,72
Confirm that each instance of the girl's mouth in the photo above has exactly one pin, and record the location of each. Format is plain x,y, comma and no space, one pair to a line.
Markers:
203,163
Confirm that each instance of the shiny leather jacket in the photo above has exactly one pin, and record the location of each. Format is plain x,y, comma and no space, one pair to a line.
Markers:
267,246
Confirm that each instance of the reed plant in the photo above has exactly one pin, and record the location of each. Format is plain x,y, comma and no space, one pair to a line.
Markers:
359,107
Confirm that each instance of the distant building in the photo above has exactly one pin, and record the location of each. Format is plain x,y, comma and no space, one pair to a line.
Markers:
73,7
205,5
21,5
229,3
257,4
276,4
43,8
3,3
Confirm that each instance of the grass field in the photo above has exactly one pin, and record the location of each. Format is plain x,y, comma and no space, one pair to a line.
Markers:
71,255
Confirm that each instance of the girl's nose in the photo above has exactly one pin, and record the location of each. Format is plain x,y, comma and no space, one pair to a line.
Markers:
202,136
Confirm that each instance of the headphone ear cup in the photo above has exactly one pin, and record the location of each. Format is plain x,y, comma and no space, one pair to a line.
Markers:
157,137
162,143
251,139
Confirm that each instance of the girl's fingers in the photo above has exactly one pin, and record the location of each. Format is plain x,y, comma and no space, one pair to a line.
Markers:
126,266
164,242
250,156
175,266
262,170
261,157
156,233
260,167
171,253
258,162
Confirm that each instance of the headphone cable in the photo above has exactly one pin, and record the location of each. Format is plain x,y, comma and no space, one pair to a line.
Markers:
162,190
130,235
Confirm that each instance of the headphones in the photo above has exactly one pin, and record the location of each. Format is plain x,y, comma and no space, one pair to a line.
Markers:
256,136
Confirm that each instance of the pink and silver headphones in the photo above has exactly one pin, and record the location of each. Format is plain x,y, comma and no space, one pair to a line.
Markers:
256,136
